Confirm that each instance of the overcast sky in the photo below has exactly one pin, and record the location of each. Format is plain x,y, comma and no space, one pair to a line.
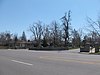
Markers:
17,15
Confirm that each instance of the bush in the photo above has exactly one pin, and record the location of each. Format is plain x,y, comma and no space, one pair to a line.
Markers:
49,48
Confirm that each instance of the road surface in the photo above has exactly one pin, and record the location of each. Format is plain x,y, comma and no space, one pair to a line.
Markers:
24,62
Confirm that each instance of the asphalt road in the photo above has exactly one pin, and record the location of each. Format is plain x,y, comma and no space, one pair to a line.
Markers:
24,62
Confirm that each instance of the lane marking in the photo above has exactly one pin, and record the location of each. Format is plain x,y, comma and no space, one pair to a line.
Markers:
22,62
70,60
64,58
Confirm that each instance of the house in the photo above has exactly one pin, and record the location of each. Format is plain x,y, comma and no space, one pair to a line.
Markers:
20,44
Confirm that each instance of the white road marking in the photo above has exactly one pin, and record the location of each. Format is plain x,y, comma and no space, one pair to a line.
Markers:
22,62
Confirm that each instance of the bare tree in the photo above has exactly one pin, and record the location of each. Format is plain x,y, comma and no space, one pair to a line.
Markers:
15,40
94,30
37,31
46,35
76,38
66,22
93,26
55,33
2,38
52,34
5,38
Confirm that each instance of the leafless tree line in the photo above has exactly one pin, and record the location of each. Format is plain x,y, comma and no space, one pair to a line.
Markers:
93,28
57,34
